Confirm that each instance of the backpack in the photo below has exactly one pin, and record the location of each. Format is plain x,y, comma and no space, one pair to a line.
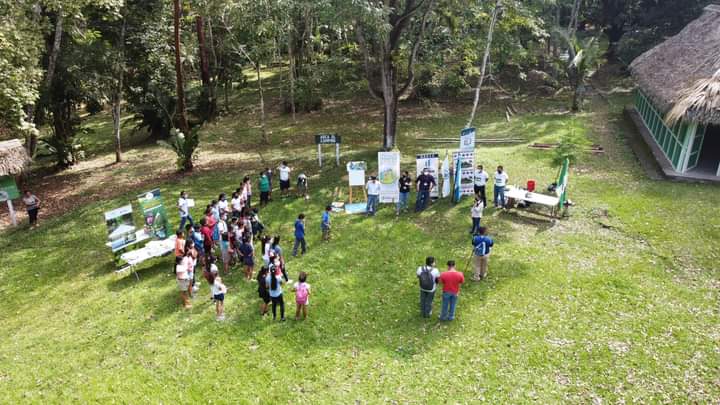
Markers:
301,292
427,281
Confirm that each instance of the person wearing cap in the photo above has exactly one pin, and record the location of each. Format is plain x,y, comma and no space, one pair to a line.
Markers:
373,194
425,183
480,180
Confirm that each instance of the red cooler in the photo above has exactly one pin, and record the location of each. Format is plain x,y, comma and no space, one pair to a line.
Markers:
531,185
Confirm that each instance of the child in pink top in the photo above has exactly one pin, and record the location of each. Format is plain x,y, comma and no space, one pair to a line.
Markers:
302,295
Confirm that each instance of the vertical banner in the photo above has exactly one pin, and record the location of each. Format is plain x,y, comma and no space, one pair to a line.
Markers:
155,218
446,176
467,139
121,227
465,163
388,175
562,183
429,161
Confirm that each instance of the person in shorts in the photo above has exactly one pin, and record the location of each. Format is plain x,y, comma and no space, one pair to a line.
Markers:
183,280
219,290
284,174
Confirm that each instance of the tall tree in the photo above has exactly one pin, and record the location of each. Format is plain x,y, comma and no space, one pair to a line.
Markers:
382,32
117,91
488,43
187,159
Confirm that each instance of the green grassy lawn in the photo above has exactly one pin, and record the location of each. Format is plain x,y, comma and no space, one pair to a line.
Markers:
616,303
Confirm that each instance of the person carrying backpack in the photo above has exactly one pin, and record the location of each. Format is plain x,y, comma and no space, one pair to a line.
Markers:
481,253
428,277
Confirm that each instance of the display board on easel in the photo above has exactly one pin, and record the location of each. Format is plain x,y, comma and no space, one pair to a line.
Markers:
356,178
9,192
328,139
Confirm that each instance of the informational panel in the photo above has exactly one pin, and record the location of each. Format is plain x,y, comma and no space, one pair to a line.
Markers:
356,173
467,171
467,139
445,170
121,227
8,188
155,217
431,162
328,139
388,175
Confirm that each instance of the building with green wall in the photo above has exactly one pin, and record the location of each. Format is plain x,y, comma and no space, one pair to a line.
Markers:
677,102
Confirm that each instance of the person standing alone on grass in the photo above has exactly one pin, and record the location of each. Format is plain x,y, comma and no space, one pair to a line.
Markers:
219,290
284,172
299,235
481,253
32,205
373,195
269,175
451,281
264,185
184,209
476,212
302,295
501,179
425,183
480,180
325,224
302,186
428,277
404,185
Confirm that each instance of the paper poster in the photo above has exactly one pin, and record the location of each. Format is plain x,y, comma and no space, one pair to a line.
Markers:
121,227
388,175
467,139
467,171
155,217
446,176
429,161
356,173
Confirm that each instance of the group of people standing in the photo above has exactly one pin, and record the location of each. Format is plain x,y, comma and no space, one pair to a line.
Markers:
229,231
424,184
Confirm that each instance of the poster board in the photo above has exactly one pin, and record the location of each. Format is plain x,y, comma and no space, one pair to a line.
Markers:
389,175
155,219
466,166
356,173
121,227
467,139
431,162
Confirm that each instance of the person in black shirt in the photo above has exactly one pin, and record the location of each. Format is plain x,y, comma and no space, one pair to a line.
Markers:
425,183
404,184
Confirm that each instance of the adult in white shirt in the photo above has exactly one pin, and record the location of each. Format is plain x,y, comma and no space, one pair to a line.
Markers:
428,276
222,204
236,204
183,205
284,173
373,192
480,180
501,179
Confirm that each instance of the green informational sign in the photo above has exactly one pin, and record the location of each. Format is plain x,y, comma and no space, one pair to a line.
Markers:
8,188
155,218
562,183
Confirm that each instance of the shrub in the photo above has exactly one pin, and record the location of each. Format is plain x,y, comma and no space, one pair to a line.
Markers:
185,147
573,144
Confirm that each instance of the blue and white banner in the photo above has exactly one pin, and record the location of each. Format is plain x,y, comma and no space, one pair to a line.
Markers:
465,171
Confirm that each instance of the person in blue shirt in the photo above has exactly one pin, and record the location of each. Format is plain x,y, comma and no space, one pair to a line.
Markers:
325,224
299,235
481,253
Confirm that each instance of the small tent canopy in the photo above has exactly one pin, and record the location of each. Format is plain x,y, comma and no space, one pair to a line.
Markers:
13,158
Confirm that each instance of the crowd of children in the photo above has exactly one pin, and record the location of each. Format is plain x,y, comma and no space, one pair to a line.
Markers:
228,232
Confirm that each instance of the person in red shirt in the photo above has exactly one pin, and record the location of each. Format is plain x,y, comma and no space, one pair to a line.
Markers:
206,232
451,281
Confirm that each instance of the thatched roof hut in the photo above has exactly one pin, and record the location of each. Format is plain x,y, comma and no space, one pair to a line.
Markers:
677,104
13,158
666,71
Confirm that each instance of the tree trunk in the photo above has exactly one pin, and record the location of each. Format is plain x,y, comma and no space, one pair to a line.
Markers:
291,58
486,56
390,101
182,111
262,105
117,95
572,25
208,95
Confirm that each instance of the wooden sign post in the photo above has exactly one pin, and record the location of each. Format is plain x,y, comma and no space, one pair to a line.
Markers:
328,139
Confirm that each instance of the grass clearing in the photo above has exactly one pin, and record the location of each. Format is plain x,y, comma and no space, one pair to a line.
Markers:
619,302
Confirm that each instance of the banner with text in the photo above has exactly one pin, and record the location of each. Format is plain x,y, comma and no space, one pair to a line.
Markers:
121,227
156,221
388,175
467,139
467,171
431,162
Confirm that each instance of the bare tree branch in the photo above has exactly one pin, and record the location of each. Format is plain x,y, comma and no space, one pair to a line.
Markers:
366,59
415,49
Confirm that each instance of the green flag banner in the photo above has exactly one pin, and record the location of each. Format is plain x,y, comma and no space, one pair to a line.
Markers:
562,183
